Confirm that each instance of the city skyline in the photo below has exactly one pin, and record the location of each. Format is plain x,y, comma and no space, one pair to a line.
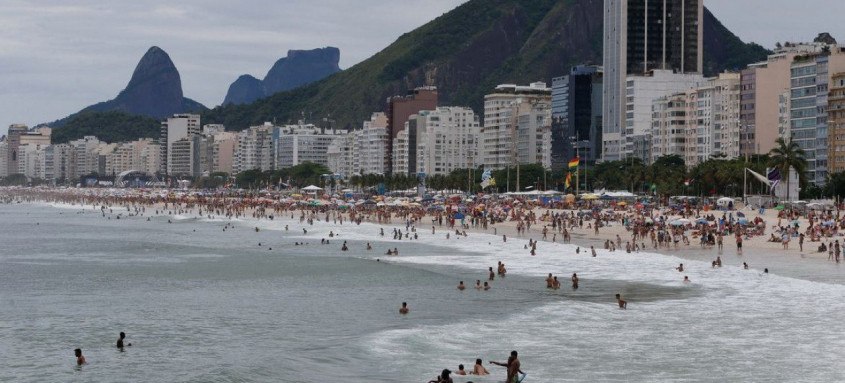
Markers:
55,67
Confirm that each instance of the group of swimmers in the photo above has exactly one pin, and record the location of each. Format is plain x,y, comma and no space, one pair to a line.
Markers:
513,365
80,359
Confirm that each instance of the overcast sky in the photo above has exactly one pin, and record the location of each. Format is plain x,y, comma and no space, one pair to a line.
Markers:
58,56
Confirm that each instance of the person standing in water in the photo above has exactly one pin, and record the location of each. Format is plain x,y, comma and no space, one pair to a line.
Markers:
461,286
513,367
574,281
120,340
623,304
404,309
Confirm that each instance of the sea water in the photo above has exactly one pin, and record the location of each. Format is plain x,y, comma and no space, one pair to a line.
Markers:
200,304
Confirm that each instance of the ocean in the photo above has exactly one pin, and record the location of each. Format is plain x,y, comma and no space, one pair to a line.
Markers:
200,304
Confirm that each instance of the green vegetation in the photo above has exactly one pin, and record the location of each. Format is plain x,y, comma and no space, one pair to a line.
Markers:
299,176
785,155
107,126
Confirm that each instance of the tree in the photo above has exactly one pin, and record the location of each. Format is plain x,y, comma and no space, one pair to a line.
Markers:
785,155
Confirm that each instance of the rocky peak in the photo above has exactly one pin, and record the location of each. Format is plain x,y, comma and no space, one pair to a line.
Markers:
298,68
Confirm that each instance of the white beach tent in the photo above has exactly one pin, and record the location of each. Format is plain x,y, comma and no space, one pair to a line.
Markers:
312,188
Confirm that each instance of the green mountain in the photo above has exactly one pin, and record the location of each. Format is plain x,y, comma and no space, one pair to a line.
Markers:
109,126
466,53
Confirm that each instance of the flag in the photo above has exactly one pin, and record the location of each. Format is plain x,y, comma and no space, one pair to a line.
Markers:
568,180
773,175
573,163
487,179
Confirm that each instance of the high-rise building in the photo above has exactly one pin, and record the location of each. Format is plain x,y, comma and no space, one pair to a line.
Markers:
4,157
298,144
576,115
641,36
810,77
85,156
517,126
445,139
698,124
836,124
399,108
255,148
641,91
175,128
762,87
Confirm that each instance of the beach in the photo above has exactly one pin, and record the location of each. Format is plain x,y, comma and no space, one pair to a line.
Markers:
190,293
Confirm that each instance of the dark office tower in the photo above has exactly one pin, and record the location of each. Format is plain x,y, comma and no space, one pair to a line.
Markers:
576,115
399,108
640,36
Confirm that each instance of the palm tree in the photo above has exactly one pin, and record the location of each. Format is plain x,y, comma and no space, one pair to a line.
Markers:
785,155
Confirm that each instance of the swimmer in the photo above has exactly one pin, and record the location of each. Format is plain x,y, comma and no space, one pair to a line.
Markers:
574,281
389,252
550,281
766,270
686,279
404,309
80,360
479,369
344,247
593,249
120,340
556,283
744,265
492,274
478,284
512,365
395,251
461,370
680,268
623,304
369,247
578,250
461,286
486,286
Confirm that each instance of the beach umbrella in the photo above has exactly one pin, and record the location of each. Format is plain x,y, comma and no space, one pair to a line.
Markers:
742,221
779,207
701,220
459,216
676,223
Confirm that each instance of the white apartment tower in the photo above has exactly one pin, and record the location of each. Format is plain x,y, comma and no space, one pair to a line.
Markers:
517,126
641,36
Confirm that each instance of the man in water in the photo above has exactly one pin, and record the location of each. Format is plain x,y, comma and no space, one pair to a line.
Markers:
461,370
486,286
686,279
461,286
593,249
550,281
492,274
513,367
120,340
478,284
574,281
80,360
404,309
623,304
680,268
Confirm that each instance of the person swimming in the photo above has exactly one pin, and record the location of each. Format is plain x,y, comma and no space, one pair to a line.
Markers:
574,281
478,284
550,281
80,360
461,370
486,286
404,309
461,286
122,336
680,268
686,279
479,369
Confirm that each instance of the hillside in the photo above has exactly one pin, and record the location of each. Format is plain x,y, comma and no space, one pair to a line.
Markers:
298,68
154,90
465,53
110,126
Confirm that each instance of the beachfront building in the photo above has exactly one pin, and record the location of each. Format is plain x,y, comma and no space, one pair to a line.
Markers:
361,151
19,135
576,116
301,143
221,147
641,93
142,155
640,37
399,108
698,124
438,141
59,164
836,124
31,161
810,77
176,128
517,126
447,139
255,148
85,156
762,89
4,157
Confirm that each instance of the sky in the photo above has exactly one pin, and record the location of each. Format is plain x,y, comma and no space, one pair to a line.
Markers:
58,56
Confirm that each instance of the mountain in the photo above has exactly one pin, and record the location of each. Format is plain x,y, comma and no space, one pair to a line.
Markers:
300,67
155,90
466,53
